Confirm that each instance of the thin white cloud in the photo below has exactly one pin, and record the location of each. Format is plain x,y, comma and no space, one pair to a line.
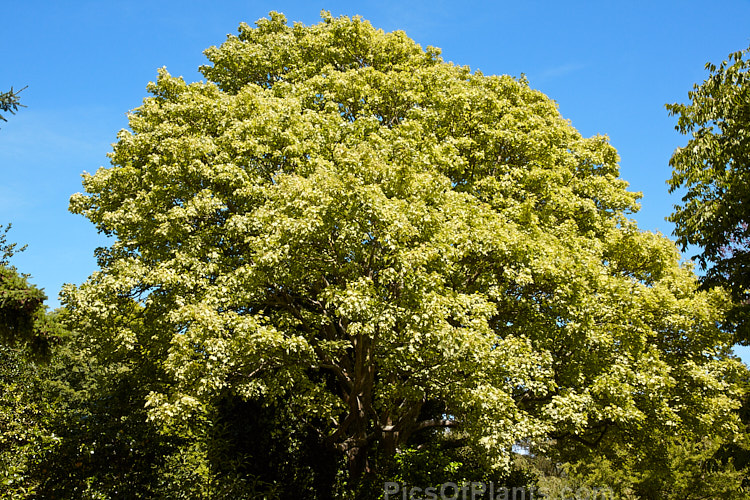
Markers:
560,71
50,136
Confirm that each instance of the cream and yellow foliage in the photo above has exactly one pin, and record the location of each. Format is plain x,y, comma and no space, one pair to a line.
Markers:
340,218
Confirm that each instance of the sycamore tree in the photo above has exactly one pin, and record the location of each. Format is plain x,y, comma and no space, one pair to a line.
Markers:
713,171
395,247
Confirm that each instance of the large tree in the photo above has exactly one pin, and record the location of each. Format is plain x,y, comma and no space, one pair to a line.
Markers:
396,248
713,170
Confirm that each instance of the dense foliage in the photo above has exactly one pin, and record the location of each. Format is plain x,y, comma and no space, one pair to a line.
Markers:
391,245
713,170
23,317
343,261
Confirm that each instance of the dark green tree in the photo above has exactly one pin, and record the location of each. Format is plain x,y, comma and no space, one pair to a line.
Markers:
27,334
714,170
9,102
23,315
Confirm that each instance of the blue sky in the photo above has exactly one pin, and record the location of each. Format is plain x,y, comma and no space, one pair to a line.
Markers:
611,67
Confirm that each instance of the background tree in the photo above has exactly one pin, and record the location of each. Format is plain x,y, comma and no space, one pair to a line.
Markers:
23,315
714,169
10,102
27,334
392,249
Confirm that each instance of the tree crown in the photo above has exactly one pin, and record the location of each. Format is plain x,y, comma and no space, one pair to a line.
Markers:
395,245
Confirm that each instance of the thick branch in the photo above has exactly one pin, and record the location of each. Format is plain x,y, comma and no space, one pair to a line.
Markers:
604,426
427,424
